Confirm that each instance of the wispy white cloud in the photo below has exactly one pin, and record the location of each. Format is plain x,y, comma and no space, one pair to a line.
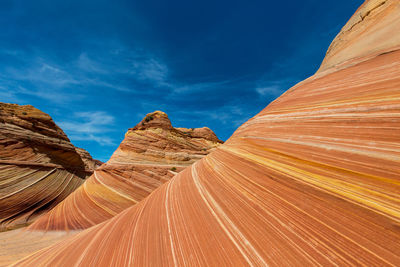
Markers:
195,87
119,69
275,88
269,90
12,91
233,115
42,73
45,77
151,70
85,63
101,140
11,52
7,95
106,84
132,64
90,126
56,96
38,78
226,115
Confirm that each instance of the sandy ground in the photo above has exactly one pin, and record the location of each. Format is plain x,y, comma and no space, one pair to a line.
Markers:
16,244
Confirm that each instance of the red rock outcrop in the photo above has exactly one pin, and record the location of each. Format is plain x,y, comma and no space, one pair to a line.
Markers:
39,166
312,180
151,154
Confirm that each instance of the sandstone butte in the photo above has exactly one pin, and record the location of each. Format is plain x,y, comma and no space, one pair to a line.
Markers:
312,180
150,155
39,166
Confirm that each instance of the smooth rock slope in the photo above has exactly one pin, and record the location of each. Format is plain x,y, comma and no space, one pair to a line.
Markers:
312,180
39,166
151,154
370,31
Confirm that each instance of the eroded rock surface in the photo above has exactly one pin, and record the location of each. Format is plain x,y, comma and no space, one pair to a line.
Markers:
312,180
39,166
372,30
150,154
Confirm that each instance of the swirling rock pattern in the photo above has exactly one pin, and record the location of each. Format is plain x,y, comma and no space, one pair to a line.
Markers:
312,180
39,166
151,154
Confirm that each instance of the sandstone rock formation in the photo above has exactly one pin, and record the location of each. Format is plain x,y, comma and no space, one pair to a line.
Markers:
39,166
372,30
312,180
151,154
90,163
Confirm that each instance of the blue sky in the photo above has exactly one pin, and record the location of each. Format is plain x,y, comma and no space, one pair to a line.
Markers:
97,67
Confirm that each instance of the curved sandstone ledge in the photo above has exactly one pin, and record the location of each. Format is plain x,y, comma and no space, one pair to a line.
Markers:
150,155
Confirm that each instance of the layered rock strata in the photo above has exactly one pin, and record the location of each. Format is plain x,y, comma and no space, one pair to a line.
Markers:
150,154
39,166
312,180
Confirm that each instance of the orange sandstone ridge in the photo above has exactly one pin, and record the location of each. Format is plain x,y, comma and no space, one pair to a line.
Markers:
313,179
371,31
151,154
39,166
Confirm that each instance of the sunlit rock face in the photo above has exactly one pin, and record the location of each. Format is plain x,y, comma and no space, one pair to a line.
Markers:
371,31
39,166
312,180
155,143
151,154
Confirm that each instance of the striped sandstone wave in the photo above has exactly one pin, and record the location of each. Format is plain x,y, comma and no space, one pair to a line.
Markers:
312,180
151,154
39,167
